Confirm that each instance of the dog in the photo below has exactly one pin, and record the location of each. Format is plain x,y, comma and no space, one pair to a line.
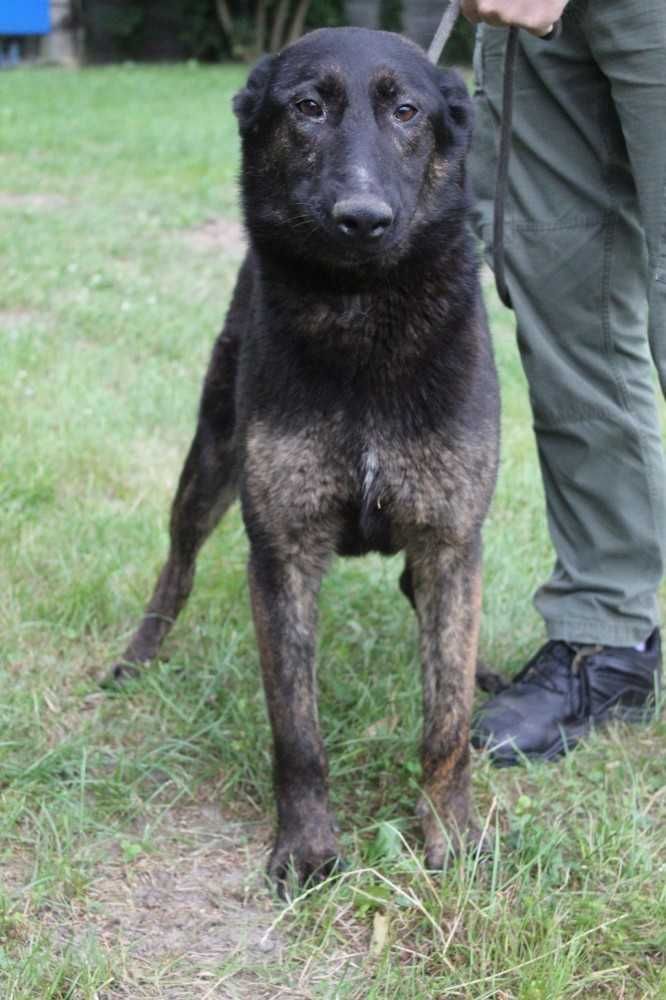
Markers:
351,401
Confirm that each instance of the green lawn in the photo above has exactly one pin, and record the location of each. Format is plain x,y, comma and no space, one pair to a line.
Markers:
133,828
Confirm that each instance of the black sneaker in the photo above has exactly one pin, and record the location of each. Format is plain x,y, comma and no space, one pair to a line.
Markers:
561,693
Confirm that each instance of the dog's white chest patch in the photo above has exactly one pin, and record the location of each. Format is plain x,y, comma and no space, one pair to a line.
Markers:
370,468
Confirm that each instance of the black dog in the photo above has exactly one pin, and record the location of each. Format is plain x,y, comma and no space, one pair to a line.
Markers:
351,400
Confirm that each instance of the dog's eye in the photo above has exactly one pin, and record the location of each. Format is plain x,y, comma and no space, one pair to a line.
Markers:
310,108
405,112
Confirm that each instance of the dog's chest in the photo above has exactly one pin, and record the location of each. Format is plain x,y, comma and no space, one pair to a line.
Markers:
364,491
431,483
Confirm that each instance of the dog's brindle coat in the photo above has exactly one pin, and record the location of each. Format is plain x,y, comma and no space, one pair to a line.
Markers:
351,400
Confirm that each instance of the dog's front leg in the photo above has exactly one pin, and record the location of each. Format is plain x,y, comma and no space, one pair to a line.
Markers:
447,594
284,604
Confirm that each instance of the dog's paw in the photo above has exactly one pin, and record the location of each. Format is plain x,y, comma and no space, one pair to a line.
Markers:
120,674
451,837
488,680
299,860
443,844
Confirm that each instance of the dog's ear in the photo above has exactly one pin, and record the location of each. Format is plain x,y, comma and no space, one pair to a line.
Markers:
247,102
458,109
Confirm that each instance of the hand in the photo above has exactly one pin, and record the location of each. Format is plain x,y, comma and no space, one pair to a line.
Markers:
537,16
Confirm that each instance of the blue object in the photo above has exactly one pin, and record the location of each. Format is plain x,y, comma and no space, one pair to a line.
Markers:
24,17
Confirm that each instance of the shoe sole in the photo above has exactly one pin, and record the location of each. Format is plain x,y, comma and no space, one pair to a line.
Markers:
570,738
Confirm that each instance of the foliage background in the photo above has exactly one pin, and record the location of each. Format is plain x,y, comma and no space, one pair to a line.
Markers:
145,30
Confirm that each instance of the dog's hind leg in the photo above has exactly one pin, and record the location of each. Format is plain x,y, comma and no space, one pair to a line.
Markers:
406,584
207,487
447,592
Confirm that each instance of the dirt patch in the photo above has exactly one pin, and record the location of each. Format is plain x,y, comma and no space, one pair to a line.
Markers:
37,200
12,319
220,234
195,905
16,868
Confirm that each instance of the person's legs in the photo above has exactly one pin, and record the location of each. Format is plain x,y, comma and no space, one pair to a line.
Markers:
588,151
577,272
628,41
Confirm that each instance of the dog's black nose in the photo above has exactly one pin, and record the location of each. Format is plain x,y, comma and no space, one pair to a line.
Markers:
364,218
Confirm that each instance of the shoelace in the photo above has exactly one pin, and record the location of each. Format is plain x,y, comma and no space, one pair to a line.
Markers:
537,673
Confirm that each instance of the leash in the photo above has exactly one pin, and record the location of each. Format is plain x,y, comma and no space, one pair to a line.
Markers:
441,37
503,158
444,29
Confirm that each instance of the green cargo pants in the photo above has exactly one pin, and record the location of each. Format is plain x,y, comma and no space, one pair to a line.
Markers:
586,266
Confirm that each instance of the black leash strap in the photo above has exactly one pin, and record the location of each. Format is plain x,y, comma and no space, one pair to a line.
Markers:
441,37
504,156
503,159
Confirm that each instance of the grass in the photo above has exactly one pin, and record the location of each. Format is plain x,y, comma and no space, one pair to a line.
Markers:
133,828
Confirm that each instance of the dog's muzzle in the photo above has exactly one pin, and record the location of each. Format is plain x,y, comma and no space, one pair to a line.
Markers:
362,218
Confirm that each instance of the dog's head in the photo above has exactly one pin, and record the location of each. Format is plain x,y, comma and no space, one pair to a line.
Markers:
353,150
